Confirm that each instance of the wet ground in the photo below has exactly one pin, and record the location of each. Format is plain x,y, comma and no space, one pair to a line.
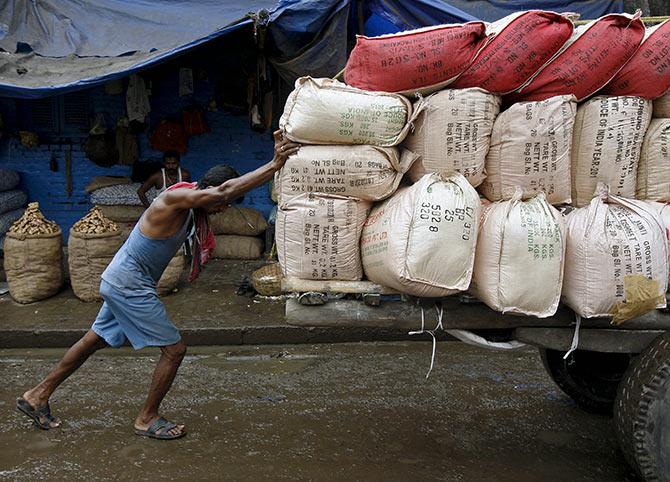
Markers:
311,412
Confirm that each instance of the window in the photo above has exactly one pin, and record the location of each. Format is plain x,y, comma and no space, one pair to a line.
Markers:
54,118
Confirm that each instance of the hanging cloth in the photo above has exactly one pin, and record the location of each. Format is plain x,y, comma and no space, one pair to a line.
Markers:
137,99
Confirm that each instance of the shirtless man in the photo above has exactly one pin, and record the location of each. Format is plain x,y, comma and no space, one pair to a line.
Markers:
171,174
132,310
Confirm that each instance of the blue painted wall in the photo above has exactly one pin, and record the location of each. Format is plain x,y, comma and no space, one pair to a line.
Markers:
231,141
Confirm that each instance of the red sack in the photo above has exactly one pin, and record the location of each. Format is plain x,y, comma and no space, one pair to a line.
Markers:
409,61
647,74
169,136
519,45
592,57
194,122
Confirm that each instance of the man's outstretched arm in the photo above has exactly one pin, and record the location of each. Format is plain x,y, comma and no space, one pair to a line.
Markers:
231,190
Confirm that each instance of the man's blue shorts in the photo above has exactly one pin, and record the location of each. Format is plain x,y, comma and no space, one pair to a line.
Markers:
138,316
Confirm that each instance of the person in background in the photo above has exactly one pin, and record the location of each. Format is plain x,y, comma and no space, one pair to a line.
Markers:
132,311
171,174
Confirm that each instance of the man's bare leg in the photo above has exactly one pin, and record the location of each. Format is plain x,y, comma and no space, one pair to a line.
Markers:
78,353
164,374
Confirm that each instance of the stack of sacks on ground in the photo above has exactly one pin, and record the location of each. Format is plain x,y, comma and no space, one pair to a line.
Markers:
118,200
237,232
33,257
422,240
93,242
616,262
348,161
12,201
519,258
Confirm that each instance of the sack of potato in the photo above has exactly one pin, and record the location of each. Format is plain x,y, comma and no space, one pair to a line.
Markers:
94,240
172,275
33,257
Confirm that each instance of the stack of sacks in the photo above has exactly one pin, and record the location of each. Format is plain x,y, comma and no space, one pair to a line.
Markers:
326,188
422,240
609,131
452,133
118,200
588,61
237,232
12,201
519,258
653,175
530,149
616,261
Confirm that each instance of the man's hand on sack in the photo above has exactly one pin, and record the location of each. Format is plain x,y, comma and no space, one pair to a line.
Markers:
283,149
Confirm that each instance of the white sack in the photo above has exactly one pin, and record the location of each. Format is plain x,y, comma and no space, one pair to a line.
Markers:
664,210
609,131
662,106
616,261
421,241
530,148
653,171
366,172
325,111
318,237
519,258
453,133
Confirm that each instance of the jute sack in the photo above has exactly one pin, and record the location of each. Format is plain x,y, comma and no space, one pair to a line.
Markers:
366,172
453,134
519,45
33,265
663,209
530,148
421,241
171,276
653,171
122,213
606,145
662,107
588,61
232,246
647,73
616,261
88,256
325,111
425,59
318,236
519,257
238,220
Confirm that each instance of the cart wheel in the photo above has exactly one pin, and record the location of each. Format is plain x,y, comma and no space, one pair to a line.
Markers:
589,378
642,412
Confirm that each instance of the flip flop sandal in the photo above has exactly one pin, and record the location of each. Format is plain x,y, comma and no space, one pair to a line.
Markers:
41,417
163,426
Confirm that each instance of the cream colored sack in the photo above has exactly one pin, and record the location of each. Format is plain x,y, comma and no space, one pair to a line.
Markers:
453,133
530,148
365,172
616,261
609,131
664,210
232,246
519,258
653,172
421,241
325,111
318,236
662,107
172,275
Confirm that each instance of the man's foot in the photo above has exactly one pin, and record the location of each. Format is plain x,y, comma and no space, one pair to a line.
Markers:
40,414
159,428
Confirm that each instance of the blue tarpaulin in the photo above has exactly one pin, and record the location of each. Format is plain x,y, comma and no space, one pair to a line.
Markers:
49,47
492,10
